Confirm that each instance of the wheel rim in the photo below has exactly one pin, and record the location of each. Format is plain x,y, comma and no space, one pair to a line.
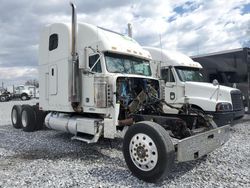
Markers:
2,98
24,118
143,152
24,97
14,116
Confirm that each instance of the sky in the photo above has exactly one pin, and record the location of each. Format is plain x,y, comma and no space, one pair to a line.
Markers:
192,27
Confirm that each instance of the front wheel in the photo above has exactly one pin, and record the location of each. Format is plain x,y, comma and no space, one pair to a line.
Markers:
3,98
148,151
24,97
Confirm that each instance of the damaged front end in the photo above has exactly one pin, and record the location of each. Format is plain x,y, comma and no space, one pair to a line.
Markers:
137,96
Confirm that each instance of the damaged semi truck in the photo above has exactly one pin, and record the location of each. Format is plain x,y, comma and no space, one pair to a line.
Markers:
97,83
182,80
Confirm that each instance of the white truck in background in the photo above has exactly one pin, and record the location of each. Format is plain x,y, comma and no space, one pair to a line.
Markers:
182,80
24,92
95,83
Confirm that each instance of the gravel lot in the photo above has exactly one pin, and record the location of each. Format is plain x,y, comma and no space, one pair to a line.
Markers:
50,158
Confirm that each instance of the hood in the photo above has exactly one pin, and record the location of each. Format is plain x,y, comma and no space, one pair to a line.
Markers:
207,90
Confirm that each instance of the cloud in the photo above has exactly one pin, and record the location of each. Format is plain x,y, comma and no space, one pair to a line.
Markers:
192,26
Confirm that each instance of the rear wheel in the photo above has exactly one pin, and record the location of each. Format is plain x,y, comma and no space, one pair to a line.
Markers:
39,116
16,116
28,118
148,151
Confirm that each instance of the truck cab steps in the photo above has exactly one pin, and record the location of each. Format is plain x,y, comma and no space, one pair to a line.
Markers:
87,137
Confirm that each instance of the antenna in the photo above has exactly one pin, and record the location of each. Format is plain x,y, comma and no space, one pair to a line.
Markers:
161,47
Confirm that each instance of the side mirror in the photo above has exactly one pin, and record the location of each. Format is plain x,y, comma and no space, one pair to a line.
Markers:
234,85
215,82
84,59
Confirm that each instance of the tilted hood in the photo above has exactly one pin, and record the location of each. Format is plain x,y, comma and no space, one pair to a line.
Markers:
209,91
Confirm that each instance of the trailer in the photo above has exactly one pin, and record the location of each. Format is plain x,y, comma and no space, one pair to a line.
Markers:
96,83
229,68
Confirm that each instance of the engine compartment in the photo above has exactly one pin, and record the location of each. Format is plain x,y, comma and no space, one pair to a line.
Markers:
136,95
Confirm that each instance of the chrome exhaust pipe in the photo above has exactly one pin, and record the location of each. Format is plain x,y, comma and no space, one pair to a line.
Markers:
130,30
75,75
73,32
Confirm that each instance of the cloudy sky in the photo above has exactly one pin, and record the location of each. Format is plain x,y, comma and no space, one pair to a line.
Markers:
192,27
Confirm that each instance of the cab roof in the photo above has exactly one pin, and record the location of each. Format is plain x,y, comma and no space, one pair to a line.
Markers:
171,58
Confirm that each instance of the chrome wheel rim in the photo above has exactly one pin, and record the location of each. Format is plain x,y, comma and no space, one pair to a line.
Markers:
24,118
14,116
143,152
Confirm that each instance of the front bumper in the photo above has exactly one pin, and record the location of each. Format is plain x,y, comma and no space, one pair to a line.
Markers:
196,146
224,118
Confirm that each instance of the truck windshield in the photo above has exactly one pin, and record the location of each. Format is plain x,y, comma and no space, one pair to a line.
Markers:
117,63
189,74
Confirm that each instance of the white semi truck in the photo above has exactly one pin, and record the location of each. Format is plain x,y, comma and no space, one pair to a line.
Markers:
97,83
24,92
182,80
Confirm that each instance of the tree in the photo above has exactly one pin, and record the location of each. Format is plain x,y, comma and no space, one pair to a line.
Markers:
33,82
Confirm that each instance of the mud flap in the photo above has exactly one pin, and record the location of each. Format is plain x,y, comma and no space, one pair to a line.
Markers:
196,146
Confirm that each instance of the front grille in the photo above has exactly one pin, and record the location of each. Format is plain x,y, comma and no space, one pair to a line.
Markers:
237,100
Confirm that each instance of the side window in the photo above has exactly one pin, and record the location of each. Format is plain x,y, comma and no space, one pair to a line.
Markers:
53,42
167,75
97,65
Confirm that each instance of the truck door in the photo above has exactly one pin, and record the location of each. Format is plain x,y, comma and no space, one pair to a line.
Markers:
170,85
88,91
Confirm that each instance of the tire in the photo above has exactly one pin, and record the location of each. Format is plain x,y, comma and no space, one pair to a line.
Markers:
141,138
39,116
3,98
28,118
16,116
24,97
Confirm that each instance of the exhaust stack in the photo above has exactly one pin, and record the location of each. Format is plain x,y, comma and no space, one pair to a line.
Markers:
75,75
73,32
130,30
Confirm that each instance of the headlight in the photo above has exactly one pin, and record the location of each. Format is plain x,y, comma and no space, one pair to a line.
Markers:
223,106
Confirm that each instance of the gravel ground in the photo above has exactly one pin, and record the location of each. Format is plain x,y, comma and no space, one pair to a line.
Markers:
50,158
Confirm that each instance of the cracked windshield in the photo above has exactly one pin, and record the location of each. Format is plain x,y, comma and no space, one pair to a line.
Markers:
117,63
189,74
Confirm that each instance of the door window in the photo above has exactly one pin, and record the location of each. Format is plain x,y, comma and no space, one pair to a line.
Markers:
167,75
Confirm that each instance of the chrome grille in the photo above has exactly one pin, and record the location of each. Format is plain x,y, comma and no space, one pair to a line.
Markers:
237,100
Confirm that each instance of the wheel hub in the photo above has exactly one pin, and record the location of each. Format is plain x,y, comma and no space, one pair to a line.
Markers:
143,152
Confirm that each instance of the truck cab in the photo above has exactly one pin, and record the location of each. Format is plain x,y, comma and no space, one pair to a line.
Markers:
112,71
183,82
24,92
